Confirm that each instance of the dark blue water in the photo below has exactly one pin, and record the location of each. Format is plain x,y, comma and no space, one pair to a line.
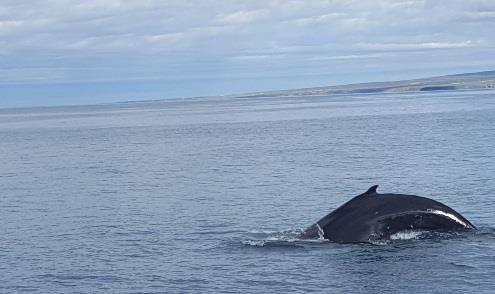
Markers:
207,196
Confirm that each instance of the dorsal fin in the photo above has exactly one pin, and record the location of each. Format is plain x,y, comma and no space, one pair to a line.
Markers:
372,190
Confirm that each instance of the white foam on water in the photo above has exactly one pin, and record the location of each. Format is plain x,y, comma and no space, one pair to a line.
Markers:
257,243
406,235
380,242
286,237
263,232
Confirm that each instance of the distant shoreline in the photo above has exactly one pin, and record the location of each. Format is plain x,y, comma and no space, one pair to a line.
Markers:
458,82
467,81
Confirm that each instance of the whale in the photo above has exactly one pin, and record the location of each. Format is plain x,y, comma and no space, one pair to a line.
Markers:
372,217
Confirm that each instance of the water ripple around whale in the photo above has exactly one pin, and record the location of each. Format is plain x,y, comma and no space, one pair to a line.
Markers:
291,238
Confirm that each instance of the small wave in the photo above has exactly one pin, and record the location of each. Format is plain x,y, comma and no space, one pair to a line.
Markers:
462,265
485,231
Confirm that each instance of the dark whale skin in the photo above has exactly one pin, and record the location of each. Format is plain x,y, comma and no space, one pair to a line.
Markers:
371,216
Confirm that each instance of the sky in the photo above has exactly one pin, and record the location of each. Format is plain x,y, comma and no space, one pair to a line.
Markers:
56,52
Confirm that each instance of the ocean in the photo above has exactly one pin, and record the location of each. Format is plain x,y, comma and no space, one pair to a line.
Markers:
208,195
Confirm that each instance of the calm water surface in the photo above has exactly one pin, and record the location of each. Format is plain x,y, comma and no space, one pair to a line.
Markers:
207,196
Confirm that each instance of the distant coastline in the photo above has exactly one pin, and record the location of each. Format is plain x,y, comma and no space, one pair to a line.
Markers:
458,82
466,81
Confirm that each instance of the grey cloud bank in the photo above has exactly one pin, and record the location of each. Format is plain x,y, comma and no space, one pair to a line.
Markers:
72,52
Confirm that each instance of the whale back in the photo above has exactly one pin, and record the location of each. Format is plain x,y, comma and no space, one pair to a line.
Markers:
371,216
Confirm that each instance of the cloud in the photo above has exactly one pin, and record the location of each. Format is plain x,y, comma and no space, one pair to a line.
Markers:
7,26
414,46
241,17
61,25
349,57
257,58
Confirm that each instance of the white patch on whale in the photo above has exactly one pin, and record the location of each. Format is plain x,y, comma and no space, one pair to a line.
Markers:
321,234
449,215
